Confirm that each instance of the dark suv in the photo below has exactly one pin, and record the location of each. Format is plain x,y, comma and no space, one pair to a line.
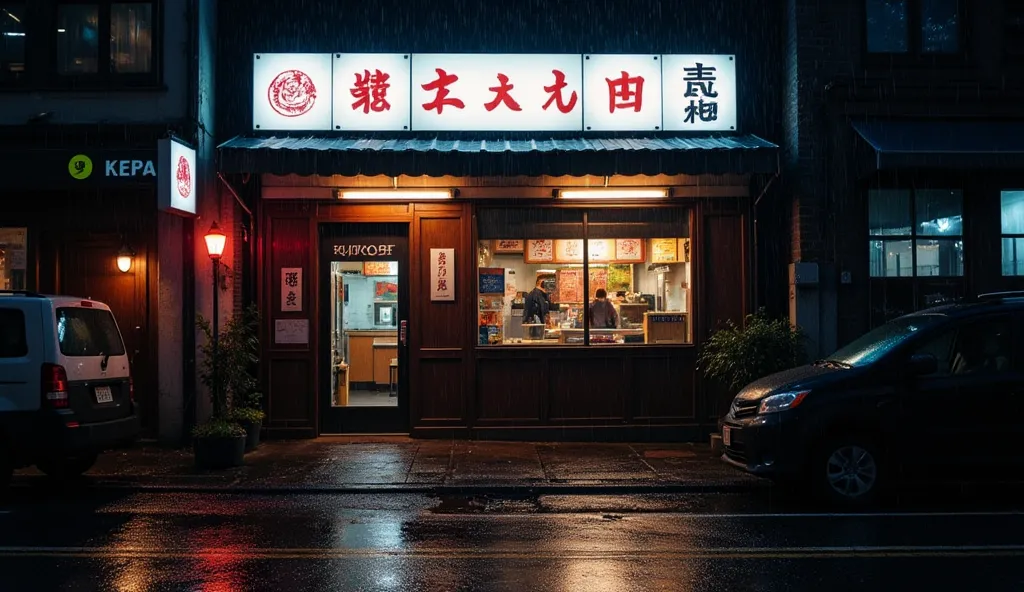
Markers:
935,393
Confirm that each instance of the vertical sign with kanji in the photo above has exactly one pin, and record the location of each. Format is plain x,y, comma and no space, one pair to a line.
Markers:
291,289
699,92
442,275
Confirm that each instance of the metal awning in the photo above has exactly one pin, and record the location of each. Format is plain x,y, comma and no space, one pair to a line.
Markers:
944,144
436,156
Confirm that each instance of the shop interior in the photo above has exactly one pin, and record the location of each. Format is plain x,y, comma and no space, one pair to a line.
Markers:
639,289
364,333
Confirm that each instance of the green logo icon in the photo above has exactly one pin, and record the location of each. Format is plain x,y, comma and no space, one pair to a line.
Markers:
80,166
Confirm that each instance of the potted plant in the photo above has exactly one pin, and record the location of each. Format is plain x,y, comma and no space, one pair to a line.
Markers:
243,349
226,370
250,417
736,356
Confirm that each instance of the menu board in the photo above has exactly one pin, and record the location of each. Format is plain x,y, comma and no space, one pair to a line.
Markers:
570,285
664,250
629,250
492,280
598,280
380,268
540,251
569,251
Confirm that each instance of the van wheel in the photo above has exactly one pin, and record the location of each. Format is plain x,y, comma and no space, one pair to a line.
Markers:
848,471
67,467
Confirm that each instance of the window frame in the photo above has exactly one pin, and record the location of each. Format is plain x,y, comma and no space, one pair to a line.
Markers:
915,234
1003,236
915,56
586,207
41,52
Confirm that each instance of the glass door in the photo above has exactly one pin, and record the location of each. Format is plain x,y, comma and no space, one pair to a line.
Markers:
364,271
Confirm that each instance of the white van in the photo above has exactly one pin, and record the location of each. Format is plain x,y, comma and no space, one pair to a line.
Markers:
66,392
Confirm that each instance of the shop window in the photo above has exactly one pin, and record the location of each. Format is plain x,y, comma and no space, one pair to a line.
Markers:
1012,223
915,233
918,27
13,33
633,287
13,258
78,45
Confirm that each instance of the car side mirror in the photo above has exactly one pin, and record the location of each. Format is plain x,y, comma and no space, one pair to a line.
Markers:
923,364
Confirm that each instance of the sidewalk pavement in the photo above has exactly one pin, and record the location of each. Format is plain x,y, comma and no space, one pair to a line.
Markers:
398,464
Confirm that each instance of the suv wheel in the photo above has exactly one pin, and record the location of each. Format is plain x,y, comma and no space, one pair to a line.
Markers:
67,467
849,471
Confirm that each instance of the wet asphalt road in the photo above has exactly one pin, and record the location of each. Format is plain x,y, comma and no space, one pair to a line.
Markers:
68,540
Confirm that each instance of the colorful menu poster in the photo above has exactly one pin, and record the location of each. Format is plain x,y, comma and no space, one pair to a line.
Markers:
492,280
664,250
598,280
570,285
540,251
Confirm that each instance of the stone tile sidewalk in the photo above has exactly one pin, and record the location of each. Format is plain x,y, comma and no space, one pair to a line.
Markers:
339,464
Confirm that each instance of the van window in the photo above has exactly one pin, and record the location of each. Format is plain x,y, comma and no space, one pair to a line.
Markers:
13,341
88,332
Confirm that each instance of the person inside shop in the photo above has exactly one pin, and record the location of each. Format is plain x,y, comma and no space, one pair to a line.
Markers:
602,311
536,305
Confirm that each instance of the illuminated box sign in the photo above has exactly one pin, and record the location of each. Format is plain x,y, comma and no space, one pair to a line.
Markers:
176,192
494,92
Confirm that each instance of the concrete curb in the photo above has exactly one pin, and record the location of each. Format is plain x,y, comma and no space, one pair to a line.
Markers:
438,490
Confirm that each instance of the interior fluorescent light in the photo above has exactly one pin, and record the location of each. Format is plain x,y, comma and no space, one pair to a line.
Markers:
396,194
613,193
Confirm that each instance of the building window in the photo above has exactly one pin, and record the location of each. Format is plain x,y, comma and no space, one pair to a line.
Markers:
922,27
916,233
1012,222
13,258
1013,28
78,39
536,288
13,33
65,44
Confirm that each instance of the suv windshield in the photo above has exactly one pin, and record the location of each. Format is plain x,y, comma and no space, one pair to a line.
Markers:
879,341
88,332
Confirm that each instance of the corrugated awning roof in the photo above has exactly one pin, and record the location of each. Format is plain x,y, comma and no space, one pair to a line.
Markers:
944,144
435,156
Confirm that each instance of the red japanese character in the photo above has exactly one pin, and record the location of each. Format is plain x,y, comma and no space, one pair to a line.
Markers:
501,95
441,84
371,91
556,93
628,90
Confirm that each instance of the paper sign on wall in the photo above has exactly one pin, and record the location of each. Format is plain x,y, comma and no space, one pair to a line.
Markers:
291,289
442,275
291,331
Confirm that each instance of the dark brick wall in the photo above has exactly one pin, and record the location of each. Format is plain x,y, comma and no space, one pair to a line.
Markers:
829,80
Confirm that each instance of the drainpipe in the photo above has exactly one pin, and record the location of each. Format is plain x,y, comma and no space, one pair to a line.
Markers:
249,295
188,255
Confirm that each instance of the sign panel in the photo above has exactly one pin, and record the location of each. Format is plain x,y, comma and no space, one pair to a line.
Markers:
371,91
291,331
176,178
292,91
442,275
494,92
488,92
699,92
623,92
291,289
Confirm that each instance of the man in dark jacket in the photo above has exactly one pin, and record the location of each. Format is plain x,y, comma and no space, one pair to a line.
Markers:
536,304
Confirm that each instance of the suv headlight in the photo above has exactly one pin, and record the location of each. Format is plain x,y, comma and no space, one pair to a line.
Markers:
781,402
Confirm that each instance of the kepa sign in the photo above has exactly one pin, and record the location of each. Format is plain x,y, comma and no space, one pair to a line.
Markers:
494,92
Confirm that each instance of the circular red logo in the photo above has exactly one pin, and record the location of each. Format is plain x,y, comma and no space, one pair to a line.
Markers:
183,175
292,93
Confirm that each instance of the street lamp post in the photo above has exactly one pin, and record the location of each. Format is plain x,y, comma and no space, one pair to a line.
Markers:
215,240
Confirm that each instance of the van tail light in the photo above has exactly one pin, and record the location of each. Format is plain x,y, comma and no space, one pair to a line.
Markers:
55,387
131,389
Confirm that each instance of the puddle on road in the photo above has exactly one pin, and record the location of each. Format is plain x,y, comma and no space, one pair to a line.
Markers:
486,504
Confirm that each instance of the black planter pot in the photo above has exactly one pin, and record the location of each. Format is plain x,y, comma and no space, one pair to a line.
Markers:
220,453
252,434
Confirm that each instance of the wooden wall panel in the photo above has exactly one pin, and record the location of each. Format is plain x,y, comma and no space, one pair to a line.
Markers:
441,389
725,270
290,369
440,324
589,388
290,387
662,387
510,388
